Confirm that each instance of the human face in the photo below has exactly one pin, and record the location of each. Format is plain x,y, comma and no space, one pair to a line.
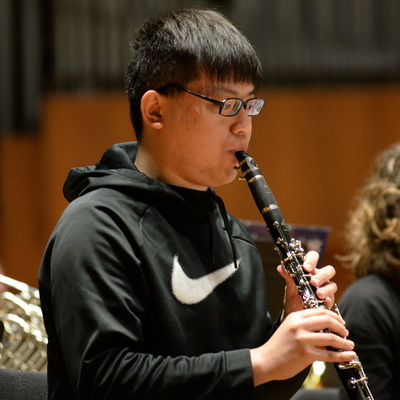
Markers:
201,143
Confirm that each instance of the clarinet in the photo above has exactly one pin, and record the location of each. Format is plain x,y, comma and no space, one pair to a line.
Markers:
291,253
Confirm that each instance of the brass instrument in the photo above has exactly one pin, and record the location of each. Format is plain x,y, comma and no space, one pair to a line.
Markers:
291,253
23,338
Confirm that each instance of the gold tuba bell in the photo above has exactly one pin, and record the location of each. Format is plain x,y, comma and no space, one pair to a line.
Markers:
23,338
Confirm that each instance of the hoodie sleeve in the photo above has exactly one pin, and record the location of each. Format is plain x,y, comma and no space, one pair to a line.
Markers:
94,307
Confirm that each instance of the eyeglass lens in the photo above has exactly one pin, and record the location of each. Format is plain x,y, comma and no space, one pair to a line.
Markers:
232,106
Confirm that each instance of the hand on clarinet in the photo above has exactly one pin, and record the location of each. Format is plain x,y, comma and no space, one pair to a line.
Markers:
320,279
300,339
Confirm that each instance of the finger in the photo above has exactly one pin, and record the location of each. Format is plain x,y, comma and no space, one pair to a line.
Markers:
322,354
323,325
324,315
329,302
282,271
327,290
310,261
330,340
323,275
289,280
291,290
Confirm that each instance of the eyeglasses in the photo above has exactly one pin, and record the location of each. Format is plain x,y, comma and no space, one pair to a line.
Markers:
227,107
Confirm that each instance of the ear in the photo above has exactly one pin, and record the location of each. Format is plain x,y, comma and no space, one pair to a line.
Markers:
150,107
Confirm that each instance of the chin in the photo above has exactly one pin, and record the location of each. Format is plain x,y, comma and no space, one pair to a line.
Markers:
227,179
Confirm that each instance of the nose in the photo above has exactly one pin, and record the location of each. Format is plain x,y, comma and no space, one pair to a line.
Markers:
241,123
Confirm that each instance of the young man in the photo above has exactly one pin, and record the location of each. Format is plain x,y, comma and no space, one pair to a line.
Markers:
149,288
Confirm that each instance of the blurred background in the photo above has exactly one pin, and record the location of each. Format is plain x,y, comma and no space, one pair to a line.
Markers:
331,80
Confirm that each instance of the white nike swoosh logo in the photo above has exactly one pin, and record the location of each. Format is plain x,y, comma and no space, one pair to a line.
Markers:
193,291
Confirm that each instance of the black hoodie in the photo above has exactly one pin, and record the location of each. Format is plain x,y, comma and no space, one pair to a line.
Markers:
150,291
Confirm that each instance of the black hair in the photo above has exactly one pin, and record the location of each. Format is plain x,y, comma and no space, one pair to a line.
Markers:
181,46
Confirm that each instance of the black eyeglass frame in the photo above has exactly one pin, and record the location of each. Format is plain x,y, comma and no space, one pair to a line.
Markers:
220,103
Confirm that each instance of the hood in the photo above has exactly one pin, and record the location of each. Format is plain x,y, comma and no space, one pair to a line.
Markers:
116,170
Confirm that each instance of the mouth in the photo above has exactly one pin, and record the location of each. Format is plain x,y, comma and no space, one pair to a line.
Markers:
236,167
244,148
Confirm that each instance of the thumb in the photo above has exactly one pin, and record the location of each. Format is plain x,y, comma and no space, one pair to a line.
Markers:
291,289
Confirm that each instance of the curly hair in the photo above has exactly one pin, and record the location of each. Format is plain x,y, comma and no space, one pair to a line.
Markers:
373,230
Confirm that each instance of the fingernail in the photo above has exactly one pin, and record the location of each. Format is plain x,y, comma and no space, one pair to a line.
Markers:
307,266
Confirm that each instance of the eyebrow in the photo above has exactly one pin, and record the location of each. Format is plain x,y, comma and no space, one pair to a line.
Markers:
232,91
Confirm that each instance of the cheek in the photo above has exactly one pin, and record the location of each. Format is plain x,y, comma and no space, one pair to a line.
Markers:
189,118
196,133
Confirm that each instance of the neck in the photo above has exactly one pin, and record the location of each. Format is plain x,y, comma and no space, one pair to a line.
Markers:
145,164
151,164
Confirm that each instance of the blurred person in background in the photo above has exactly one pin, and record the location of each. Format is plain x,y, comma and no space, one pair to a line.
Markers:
371,305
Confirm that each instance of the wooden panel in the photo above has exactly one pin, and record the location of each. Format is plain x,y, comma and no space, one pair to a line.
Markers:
314,147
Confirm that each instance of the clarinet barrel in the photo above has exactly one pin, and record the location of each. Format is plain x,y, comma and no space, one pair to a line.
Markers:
291,253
